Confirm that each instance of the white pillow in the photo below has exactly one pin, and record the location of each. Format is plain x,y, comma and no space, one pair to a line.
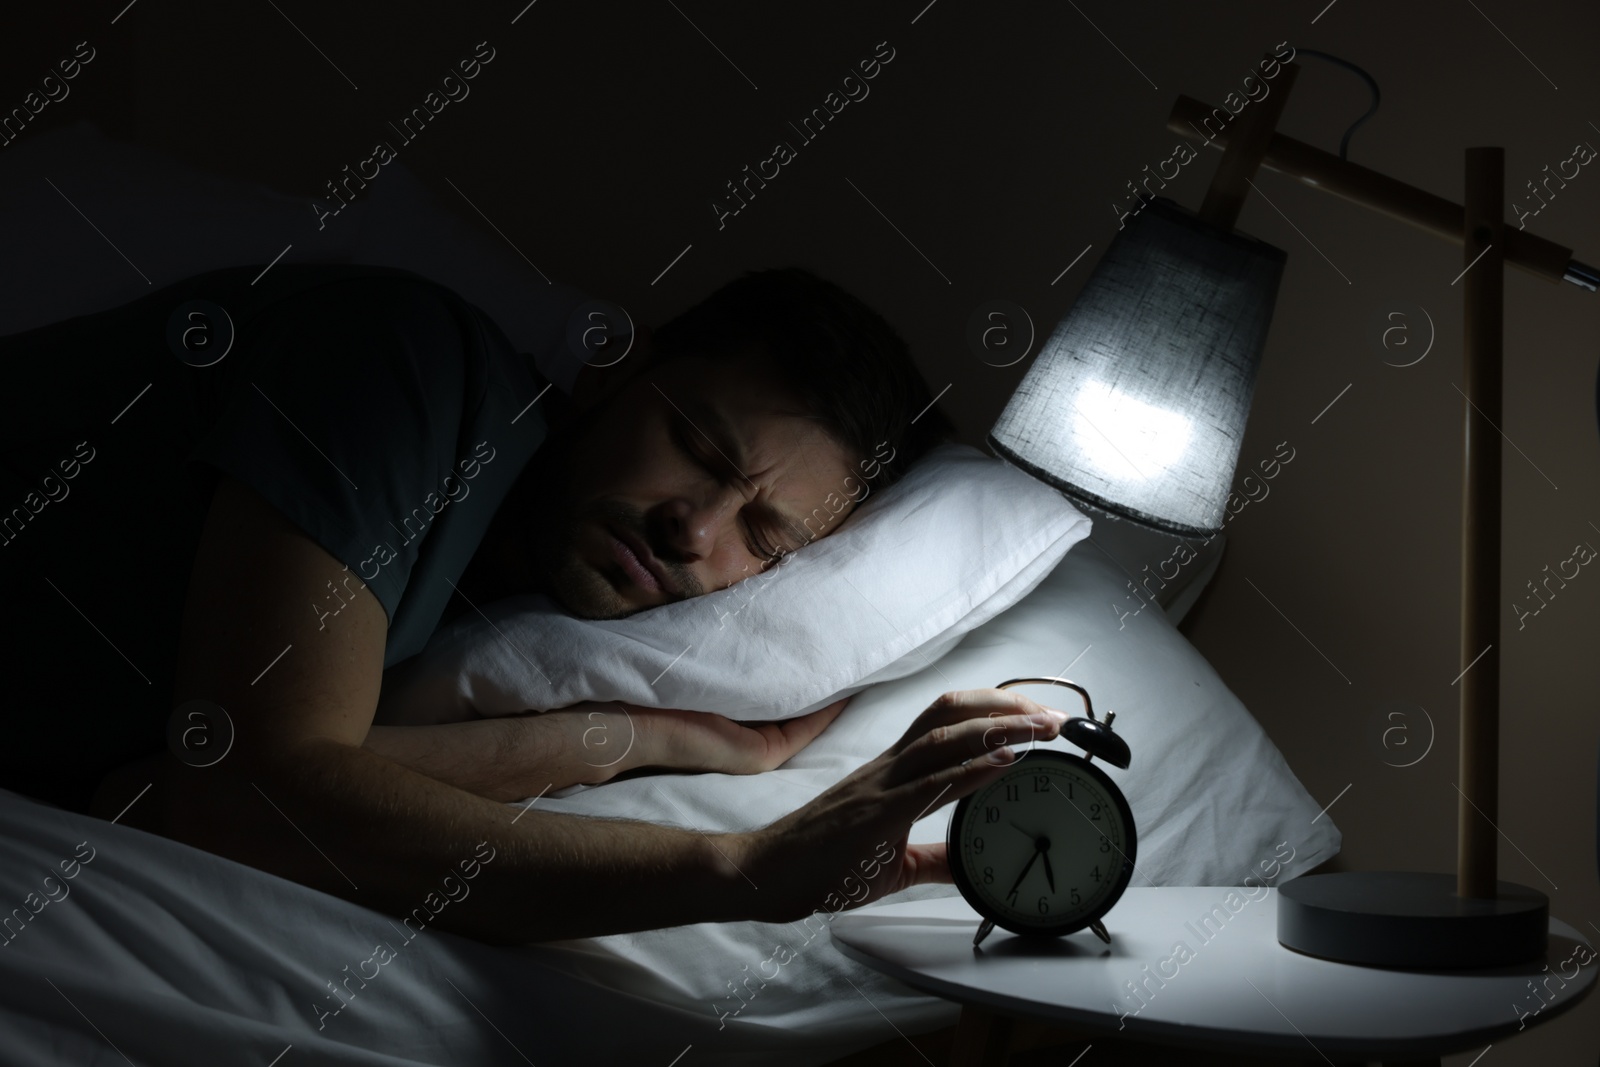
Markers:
959,539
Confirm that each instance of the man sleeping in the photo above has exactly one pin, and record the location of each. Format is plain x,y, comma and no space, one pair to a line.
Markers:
246,541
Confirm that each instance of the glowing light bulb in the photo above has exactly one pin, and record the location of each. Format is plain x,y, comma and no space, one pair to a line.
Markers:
1128,439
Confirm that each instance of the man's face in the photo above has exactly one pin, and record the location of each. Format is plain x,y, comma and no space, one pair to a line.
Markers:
698,474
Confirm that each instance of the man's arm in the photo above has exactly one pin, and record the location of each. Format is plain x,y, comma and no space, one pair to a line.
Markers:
516,756
504,758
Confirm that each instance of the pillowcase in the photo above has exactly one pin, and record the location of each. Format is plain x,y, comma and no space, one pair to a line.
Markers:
959,539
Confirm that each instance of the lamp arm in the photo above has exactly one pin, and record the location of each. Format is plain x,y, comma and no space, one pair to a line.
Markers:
1371,189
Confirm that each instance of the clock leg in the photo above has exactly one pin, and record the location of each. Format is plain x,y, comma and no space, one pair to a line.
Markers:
983,1039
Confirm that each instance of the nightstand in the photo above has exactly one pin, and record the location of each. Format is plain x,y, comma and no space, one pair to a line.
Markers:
1201,967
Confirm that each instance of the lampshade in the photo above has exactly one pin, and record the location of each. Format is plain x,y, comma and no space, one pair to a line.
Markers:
1137,402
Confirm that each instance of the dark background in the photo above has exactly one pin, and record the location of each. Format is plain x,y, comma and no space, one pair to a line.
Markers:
996,142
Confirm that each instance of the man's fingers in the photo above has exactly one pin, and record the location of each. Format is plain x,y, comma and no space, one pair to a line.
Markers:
797,733
918,799
975,739
811,720
925,865
824,715
959,705
805,729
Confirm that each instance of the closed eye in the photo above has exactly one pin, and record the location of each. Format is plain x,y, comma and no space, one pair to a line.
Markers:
682,436
689,440
764,554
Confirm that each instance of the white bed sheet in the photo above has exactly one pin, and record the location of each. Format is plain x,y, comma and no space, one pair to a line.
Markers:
169,955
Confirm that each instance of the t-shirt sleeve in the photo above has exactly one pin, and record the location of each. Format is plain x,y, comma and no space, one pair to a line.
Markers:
346,412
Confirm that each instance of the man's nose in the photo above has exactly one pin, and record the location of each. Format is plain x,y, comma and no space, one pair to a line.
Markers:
692,523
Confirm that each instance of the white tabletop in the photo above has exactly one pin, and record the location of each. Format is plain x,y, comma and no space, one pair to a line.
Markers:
1231,986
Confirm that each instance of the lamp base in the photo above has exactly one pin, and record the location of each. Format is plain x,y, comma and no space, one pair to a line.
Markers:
1410,919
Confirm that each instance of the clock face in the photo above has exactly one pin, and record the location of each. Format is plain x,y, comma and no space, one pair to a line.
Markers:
1047,848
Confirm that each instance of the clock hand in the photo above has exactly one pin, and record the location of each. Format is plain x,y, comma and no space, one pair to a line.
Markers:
1041,846
1024,874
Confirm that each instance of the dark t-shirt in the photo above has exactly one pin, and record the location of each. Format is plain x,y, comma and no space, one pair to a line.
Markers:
378,411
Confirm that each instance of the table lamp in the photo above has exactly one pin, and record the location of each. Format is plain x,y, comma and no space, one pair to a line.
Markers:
1137,405
1137,402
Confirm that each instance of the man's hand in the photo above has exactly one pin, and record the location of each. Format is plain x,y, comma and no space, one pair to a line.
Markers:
510,757
702,741
839,845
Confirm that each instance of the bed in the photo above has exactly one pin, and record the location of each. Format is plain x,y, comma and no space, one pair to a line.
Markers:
151,951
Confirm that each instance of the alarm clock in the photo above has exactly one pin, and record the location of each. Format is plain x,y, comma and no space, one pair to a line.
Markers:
1047,848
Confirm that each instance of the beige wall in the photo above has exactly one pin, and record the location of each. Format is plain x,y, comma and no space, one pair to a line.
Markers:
996,141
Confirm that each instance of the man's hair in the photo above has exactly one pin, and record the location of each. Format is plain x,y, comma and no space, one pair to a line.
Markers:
847,365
